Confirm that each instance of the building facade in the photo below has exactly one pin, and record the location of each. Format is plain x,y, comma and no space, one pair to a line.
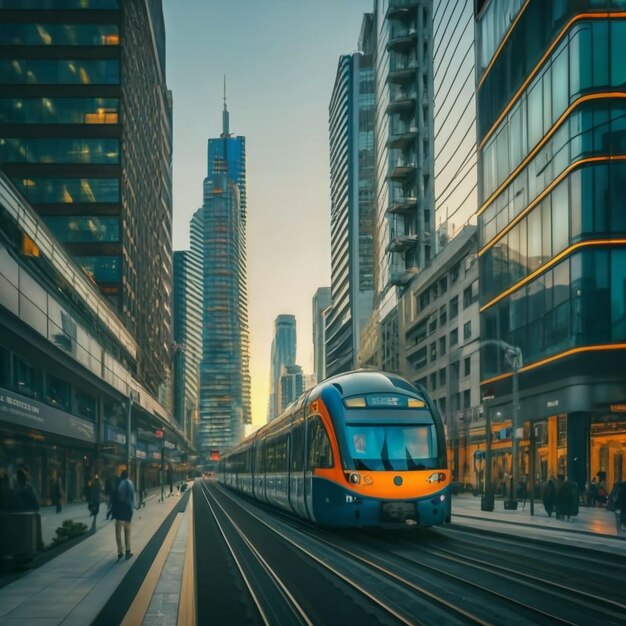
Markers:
400,37
351,129
283,354
321,301
291,385
552,229
187,350
440,346
85,135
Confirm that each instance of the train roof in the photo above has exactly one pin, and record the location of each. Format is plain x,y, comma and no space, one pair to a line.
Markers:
367,381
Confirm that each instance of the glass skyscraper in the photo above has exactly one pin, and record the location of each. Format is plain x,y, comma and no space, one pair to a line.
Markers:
218,239
283,354
551,99
85,135
352,183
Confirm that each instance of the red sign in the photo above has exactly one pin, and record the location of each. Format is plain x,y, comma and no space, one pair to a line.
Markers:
159,434
215,455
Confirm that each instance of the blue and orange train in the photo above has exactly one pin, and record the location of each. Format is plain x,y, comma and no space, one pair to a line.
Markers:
360,449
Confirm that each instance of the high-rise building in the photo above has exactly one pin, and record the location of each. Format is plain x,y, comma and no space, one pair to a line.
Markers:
283,354
552,227
187,324
321,301
352,183
455,160
399,33
291,385
85,135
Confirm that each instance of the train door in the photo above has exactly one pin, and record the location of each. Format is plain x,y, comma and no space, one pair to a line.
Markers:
296,466
312,423
259,470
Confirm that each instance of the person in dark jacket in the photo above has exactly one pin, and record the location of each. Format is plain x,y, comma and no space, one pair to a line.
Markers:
123,504
567,499
93,496
57,493
549,497
25,497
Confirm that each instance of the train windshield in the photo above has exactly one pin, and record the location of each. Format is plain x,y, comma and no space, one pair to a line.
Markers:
401,447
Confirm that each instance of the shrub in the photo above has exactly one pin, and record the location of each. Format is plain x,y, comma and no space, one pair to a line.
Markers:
68,530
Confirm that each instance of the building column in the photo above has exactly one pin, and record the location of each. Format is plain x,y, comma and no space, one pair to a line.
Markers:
552,446
578,429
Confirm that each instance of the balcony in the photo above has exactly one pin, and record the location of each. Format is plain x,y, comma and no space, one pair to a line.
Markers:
404,277
401,169
401,39
401,8
401,243
401,101
401,69
401,136
402,204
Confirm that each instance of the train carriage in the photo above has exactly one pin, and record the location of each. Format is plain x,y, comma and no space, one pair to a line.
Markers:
360,449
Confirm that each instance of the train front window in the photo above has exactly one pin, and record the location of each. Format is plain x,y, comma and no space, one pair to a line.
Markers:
392,447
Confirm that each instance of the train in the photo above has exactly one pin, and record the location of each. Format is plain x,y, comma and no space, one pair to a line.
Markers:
361,449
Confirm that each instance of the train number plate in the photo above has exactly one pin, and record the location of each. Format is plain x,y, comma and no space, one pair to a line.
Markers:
397,511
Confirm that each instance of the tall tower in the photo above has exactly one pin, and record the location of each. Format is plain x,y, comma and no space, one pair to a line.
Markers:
352,184
283,354
85,135
218,237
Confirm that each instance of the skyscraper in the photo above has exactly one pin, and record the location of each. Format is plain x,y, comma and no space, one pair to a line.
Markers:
400,38
218,239
552,227
352,184
321,301
85,135
187,324
283,354
291,385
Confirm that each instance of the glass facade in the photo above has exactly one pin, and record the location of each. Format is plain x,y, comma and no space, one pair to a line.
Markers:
59,110
84,229
29,34
59,72
51,5
283,354
552,225
104,151
69,190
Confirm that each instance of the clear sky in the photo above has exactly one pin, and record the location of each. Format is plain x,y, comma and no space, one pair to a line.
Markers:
280,58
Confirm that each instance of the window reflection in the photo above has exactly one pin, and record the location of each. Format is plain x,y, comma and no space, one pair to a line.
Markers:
52,72
19,150
59,110
102,269
69,190
84,229
28,34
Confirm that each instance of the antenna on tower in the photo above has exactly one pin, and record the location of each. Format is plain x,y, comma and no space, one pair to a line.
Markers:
225,129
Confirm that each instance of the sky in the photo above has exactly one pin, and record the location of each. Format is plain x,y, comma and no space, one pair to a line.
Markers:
280,59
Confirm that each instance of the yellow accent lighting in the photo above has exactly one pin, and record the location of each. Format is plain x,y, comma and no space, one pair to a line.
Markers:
414,403
357,402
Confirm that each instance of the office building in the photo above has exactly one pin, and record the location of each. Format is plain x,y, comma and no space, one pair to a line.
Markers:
400,37
291,385
552,229
352,184
187,349
321,301
283,354
85,135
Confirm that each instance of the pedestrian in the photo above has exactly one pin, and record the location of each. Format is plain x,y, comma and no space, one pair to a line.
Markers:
25,497
57,493
93,496
620,508
567,499
122,508
549,496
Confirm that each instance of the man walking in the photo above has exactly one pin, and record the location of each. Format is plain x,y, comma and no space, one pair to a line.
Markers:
122,512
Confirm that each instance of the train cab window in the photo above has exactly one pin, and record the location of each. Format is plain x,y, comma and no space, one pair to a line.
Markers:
320,452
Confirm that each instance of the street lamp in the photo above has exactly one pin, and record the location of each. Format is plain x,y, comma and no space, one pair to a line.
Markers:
513,355
486,502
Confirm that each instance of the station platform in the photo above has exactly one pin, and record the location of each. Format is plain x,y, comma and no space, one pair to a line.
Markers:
86,584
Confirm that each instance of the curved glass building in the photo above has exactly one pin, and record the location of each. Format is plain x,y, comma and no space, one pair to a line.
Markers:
551,100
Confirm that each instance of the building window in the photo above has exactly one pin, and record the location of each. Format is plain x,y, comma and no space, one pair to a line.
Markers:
443,285
58,392
433,351
432,326
454,273
454,307
84,229
86,405
29,34
25,378
470,294
103,269
442,345
443,315
5,368
59,72
456,401
467,330
442,377
69,190
433,381
442,405
454,337
420,358
59,110
37,150
467,366
467,399
424,299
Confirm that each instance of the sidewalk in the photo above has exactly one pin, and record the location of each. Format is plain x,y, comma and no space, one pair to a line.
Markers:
592,527
74,587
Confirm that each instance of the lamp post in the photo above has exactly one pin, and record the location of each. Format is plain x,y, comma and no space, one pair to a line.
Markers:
486,502
513,355
133,396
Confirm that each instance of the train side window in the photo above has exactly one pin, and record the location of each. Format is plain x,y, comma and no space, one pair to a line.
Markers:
259,463
297,447
320,452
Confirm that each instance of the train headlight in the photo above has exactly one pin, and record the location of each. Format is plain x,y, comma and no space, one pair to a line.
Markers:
354,478
442,497
437,477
